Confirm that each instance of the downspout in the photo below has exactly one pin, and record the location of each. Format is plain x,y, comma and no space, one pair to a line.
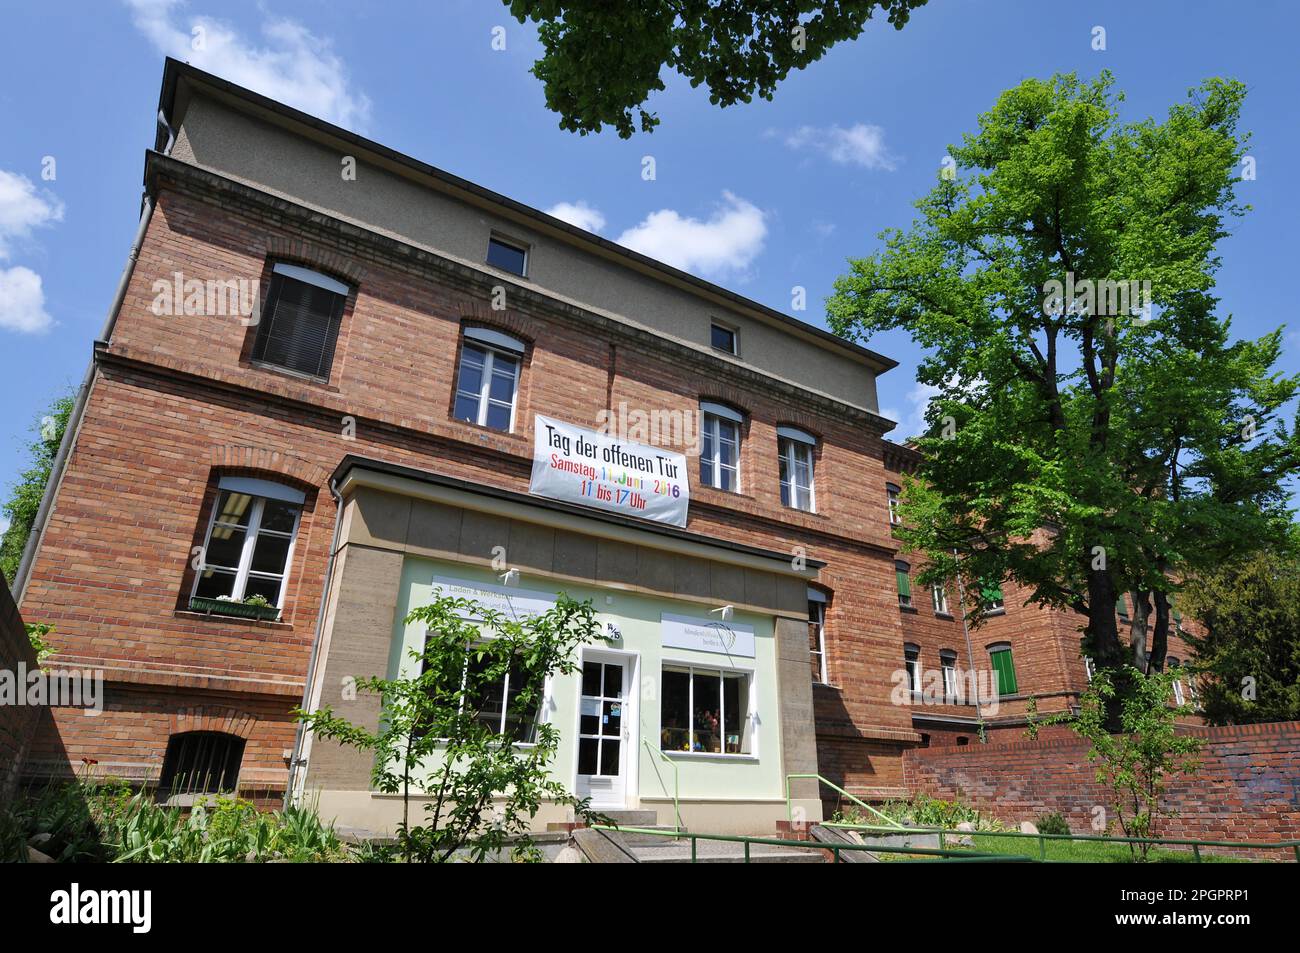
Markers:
301,741
70,432
970,652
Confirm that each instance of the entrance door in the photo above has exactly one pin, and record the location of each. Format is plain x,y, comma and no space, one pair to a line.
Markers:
603,732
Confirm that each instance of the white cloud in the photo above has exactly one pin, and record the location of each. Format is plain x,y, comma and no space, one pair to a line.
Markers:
23,208
578,213
860,144
727,242
4,525
22,301
911,423
292,65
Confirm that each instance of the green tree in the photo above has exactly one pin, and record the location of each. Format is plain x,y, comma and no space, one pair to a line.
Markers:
1084,441
25,498
1135,763
601,61
1247,664
433,738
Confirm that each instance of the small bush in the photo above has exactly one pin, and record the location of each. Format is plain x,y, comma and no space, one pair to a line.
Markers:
1053,823
106,822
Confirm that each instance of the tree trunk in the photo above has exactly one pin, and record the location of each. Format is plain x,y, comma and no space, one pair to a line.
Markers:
1101,637
1160,637
1137,629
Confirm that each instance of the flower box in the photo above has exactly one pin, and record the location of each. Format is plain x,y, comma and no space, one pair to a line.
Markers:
238,610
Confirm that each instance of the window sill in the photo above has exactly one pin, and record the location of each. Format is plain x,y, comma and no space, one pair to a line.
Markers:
232,619
910,609
993,612
292,374
708,756
945,615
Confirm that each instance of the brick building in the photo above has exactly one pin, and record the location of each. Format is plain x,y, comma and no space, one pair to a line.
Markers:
325,387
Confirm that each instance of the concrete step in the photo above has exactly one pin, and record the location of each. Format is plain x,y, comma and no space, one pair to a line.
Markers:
632,818
637,839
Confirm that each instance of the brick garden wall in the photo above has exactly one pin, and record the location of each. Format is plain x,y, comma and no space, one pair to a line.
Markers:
17,722
1247,787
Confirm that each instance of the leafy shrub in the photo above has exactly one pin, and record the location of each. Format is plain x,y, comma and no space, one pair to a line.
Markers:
106,822
1053,823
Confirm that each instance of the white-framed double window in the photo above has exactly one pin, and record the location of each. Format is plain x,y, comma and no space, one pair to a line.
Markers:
939,596
912,665
705,710
249,544
488,383
494,702
1180,696
817,635
796,449
720,449
948,666
892,493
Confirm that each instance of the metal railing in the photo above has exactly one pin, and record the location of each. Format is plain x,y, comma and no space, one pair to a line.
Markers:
955,856
677,807
789,804
1196,845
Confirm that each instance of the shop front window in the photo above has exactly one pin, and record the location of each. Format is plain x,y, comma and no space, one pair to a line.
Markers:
705,711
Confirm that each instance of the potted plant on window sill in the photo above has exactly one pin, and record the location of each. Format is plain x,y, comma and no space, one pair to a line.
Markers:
254,607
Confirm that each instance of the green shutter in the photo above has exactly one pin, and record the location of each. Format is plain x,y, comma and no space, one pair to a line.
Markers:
1121,606
1006,671
904,584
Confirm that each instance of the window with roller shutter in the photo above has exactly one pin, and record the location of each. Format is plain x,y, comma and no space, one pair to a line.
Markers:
300,323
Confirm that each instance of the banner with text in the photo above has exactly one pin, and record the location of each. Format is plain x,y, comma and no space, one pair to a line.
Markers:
590,468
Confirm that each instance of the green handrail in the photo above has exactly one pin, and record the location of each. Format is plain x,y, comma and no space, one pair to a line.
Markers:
677,807
835,849
1196,845
789,804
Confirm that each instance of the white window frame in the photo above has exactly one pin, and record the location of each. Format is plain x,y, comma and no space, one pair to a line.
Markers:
505,704
493,344
791,443
714,415
1089,668
1180,697
939,596
260,491
747,724
818,598
735,338
891,495
912,665
948,669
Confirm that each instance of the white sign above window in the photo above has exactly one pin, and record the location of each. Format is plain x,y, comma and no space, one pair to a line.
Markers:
510,602
707,635
593,469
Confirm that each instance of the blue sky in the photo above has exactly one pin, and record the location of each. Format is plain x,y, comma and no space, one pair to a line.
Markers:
759,198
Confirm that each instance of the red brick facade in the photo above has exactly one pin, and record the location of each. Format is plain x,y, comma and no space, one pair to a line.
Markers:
178,403
1245,788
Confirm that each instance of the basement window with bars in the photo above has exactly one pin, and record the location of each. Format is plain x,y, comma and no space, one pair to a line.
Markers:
201,762
249,544
300,323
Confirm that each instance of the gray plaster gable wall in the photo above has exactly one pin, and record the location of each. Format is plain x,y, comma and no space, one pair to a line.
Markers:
217,136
